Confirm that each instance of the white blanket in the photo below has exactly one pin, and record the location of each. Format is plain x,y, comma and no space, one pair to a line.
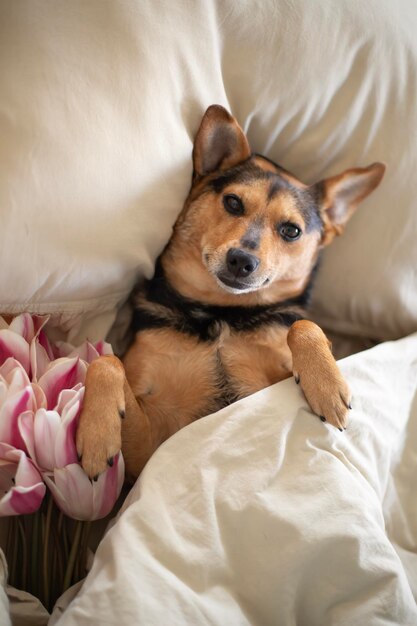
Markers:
260,514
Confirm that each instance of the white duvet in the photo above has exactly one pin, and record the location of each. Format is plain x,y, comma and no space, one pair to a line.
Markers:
260,514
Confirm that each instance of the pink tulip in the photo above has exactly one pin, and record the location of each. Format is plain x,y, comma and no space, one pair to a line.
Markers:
15,346
49,436
41,392
20,482
28,326
16,397
82,499
62,374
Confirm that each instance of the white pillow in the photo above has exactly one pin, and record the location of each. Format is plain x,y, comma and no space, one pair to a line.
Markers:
99,104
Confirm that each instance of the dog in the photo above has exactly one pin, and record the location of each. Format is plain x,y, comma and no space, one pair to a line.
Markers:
225,313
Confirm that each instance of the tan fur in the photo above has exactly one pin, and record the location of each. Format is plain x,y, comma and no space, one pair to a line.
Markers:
319,376
289,265
175,380
170,378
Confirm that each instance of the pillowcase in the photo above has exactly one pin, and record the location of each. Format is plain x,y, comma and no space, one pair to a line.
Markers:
99,105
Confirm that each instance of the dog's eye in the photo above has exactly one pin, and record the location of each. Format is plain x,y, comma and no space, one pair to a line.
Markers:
233,204
289,231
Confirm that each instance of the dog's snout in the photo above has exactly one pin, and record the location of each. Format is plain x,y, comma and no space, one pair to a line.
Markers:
241,263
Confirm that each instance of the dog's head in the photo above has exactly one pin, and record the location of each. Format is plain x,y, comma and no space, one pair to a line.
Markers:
250,231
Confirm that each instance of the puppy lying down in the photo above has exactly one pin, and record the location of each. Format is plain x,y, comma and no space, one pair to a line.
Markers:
224,314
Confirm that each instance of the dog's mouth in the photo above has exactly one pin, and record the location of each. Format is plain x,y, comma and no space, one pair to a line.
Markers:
236,285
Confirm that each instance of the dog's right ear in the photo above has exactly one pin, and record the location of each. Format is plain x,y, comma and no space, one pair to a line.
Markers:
220,142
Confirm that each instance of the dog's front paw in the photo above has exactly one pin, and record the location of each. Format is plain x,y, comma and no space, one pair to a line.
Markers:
326,392
98,437
317,373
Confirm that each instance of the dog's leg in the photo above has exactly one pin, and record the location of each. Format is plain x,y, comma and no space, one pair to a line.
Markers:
111,417
317,372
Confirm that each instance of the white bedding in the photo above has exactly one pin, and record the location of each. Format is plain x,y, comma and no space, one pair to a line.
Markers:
260,514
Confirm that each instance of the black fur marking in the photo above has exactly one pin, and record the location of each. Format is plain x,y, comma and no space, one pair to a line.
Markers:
245,172
277,185
206,321
308,207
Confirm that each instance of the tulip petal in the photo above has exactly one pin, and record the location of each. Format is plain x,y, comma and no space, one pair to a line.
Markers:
107,489
9,366
86,351
65,448
40,398
3,390
46,427
23,325
22,500
17,380
26,474
26,487
26,427
63,374
28,326
77,497
72,491
39,360
13,345
103,348
9,413
66,397
46,344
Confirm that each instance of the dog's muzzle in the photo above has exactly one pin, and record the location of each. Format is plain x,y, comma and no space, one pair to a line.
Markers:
240,265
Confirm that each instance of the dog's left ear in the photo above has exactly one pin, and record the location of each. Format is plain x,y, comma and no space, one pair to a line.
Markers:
339,196
220,142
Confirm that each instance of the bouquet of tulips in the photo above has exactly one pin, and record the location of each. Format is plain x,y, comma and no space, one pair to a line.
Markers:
41,480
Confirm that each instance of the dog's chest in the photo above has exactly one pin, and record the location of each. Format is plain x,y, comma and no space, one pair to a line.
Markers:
251,361
181,374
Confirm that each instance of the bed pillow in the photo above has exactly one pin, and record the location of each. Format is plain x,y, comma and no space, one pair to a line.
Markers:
99,104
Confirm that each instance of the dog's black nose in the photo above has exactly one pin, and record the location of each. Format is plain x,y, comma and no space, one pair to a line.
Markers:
240,263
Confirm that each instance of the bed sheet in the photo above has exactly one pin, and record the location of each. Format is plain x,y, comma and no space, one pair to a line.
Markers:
260,514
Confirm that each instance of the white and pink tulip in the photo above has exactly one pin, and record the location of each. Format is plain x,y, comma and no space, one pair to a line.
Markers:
41,393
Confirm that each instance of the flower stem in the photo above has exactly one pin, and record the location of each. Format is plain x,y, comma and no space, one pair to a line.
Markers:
62,533
72,555
82,565
56,575
46,569
24,552
34,553
14,543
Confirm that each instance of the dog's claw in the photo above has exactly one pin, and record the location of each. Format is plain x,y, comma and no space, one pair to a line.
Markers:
297,379
323,419
110,461
95,478
347,403
122,413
